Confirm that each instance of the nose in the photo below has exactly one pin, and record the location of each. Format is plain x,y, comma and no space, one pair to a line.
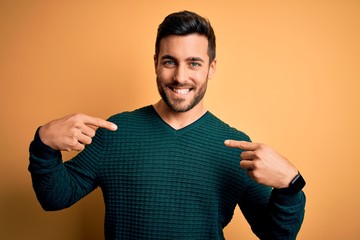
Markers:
181,74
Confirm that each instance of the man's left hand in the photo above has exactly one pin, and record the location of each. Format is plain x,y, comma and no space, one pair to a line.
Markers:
263,164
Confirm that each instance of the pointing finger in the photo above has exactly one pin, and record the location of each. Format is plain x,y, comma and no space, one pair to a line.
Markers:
244,145
98,122
107,125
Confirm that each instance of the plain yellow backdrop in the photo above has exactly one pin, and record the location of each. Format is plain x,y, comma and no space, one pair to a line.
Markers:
288,75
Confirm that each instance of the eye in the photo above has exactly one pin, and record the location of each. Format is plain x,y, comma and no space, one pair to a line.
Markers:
168,63
195,64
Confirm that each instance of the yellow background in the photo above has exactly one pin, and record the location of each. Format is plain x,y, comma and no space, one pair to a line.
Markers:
288,75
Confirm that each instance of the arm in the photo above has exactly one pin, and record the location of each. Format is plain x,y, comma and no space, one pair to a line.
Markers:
273,211
272,214
59,185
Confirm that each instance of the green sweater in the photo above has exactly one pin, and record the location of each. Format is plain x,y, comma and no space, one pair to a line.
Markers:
162,183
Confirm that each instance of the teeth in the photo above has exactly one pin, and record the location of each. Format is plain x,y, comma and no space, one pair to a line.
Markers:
181,91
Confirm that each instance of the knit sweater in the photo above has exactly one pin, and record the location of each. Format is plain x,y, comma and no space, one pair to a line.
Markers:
162,183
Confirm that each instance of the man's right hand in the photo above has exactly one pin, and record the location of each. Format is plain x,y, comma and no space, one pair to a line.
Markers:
72,132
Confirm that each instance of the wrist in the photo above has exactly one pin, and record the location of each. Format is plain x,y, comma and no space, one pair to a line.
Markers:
295,185
44,138
291,173
40,149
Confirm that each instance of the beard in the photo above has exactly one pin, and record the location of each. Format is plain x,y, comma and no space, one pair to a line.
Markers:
179,104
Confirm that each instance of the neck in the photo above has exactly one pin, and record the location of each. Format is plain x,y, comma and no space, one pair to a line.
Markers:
178,120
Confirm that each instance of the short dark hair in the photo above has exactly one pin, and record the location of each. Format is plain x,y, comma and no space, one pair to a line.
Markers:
184,23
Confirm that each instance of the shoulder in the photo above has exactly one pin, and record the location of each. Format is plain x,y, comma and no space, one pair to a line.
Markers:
223,128
139,114
139,121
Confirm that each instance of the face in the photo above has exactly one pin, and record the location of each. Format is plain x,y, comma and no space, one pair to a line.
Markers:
182,71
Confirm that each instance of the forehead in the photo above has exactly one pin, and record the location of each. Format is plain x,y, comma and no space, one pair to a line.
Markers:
192,45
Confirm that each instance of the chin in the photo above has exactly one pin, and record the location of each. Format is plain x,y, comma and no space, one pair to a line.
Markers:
179,109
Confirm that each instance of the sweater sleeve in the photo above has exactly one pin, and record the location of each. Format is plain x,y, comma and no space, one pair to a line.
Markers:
273,214
58,185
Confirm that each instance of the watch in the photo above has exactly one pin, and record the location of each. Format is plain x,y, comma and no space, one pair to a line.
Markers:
297,183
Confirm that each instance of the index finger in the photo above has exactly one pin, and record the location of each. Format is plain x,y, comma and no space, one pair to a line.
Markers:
244,145
98,122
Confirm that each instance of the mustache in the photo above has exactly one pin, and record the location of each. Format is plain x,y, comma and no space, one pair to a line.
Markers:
179,85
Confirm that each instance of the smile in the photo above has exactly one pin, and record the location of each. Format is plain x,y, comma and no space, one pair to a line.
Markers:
181,91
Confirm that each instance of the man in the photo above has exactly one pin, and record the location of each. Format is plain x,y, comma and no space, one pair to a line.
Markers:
170,170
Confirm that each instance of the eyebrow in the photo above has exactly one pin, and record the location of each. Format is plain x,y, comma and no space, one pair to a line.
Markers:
197,59
168,57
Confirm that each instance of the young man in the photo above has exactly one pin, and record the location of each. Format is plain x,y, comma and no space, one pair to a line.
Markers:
171,170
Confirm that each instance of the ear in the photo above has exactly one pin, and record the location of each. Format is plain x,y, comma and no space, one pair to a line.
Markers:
155,61
212,69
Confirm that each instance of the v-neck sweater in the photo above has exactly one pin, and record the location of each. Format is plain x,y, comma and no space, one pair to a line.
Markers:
162,183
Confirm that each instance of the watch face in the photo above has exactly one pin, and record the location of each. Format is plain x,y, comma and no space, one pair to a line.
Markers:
298,183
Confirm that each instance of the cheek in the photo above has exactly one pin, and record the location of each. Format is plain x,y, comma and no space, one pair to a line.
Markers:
164,74
158,70
201,76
